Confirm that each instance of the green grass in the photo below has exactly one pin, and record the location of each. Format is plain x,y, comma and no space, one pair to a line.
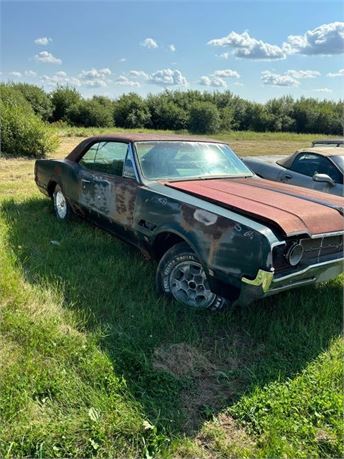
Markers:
70,131
93,363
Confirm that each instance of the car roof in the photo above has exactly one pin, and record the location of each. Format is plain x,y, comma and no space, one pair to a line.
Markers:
129,137
323,151
139,137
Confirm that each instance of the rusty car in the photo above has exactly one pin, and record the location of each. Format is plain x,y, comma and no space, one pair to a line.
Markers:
220,234
320,168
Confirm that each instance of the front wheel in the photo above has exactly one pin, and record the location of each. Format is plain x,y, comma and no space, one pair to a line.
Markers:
180,275
62,208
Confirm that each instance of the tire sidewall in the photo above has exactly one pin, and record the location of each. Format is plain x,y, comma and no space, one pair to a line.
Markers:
178,254
68,209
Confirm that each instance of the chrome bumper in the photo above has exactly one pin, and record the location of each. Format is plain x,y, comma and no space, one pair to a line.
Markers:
266,283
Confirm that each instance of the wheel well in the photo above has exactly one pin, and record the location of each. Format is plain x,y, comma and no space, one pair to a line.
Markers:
51,188
165,241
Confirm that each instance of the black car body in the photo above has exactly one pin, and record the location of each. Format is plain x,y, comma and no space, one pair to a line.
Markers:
249,237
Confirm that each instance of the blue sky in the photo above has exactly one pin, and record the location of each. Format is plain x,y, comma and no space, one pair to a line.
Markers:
256,49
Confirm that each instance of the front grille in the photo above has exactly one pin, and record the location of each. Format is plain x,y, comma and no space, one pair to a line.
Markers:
322,249
316,250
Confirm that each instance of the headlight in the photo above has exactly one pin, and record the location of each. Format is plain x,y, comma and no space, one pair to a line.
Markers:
295,254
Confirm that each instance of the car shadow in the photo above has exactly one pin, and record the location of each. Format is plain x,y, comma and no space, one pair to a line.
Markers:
182,366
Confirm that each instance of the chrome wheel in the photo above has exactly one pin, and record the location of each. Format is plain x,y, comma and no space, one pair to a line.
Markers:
60,204
189,285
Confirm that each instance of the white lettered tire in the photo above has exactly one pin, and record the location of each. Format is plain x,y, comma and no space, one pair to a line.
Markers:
181,276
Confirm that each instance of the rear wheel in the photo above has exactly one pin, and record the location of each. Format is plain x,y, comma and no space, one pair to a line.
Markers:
62,208
181,276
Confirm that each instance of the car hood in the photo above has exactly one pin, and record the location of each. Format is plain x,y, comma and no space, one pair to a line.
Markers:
294,210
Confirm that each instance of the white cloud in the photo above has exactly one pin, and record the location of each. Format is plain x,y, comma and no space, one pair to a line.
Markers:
149,43
227,73
223,55
95,78
326,39
43,41
326,90
125,81
15,74
340,73
47,58
301,74
30,73
248,47
123,59
96,83
172,48
138,74
94,74
213,81
168,77
60,78
275,79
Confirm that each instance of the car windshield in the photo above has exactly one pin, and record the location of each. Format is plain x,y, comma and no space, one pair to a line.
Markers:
339,160
176,160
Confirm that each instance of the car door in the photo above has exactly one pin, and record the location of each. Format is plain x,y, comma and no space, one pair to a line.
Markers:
302,171
108,187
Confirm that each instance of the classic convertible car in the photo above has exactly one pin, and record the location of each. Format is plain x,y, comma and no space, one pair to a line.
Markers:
320,168
220,233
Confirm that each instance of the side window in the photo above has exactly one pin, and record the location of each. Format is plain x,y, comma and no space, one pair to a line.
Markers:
306,164
108,157
88,159
310,164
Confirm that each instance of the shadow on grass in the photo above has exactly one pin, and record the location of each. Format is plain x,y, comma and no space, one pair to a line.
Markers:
182,366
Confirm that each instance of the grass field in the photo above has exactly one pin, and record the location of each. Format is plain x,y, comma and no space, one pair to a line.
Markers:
93,363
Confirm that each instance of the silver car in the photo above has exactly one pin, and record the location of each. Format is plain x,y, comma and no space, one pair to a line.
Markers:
320,168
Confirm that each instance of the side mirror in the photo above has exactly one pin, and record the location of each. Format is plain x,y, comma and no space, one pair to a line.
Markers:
323,178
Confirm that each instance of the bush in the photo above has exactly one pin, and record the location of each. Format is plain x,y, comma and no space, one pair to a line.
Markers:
166,114
22,132
204,118
90,113
37,98
63,98
131,111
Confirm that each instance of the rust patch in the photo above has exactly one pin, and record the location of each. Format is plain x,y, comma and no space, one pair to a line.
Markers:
214,230
125,201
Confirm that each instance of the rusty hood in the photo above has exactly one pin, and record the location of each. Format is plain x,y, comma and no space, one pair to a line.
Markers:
294,210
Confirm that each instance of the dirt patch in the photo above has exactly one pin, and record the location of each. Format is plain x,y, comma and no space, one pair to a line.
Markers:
206,391
226,436
181,360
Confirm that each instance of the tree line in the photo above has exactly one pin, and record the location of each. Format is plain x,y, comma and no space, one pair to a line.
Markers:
195,111
192,110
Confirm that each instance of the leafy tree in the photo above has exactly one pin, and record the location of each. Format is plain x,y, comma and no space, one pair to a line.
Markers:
280,114
37,98
131,111
62,99
204,118
166,114
22,132
90,113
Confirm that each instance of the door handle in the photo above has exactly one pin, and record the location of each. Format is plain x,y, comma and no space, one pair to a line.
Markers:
288,176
